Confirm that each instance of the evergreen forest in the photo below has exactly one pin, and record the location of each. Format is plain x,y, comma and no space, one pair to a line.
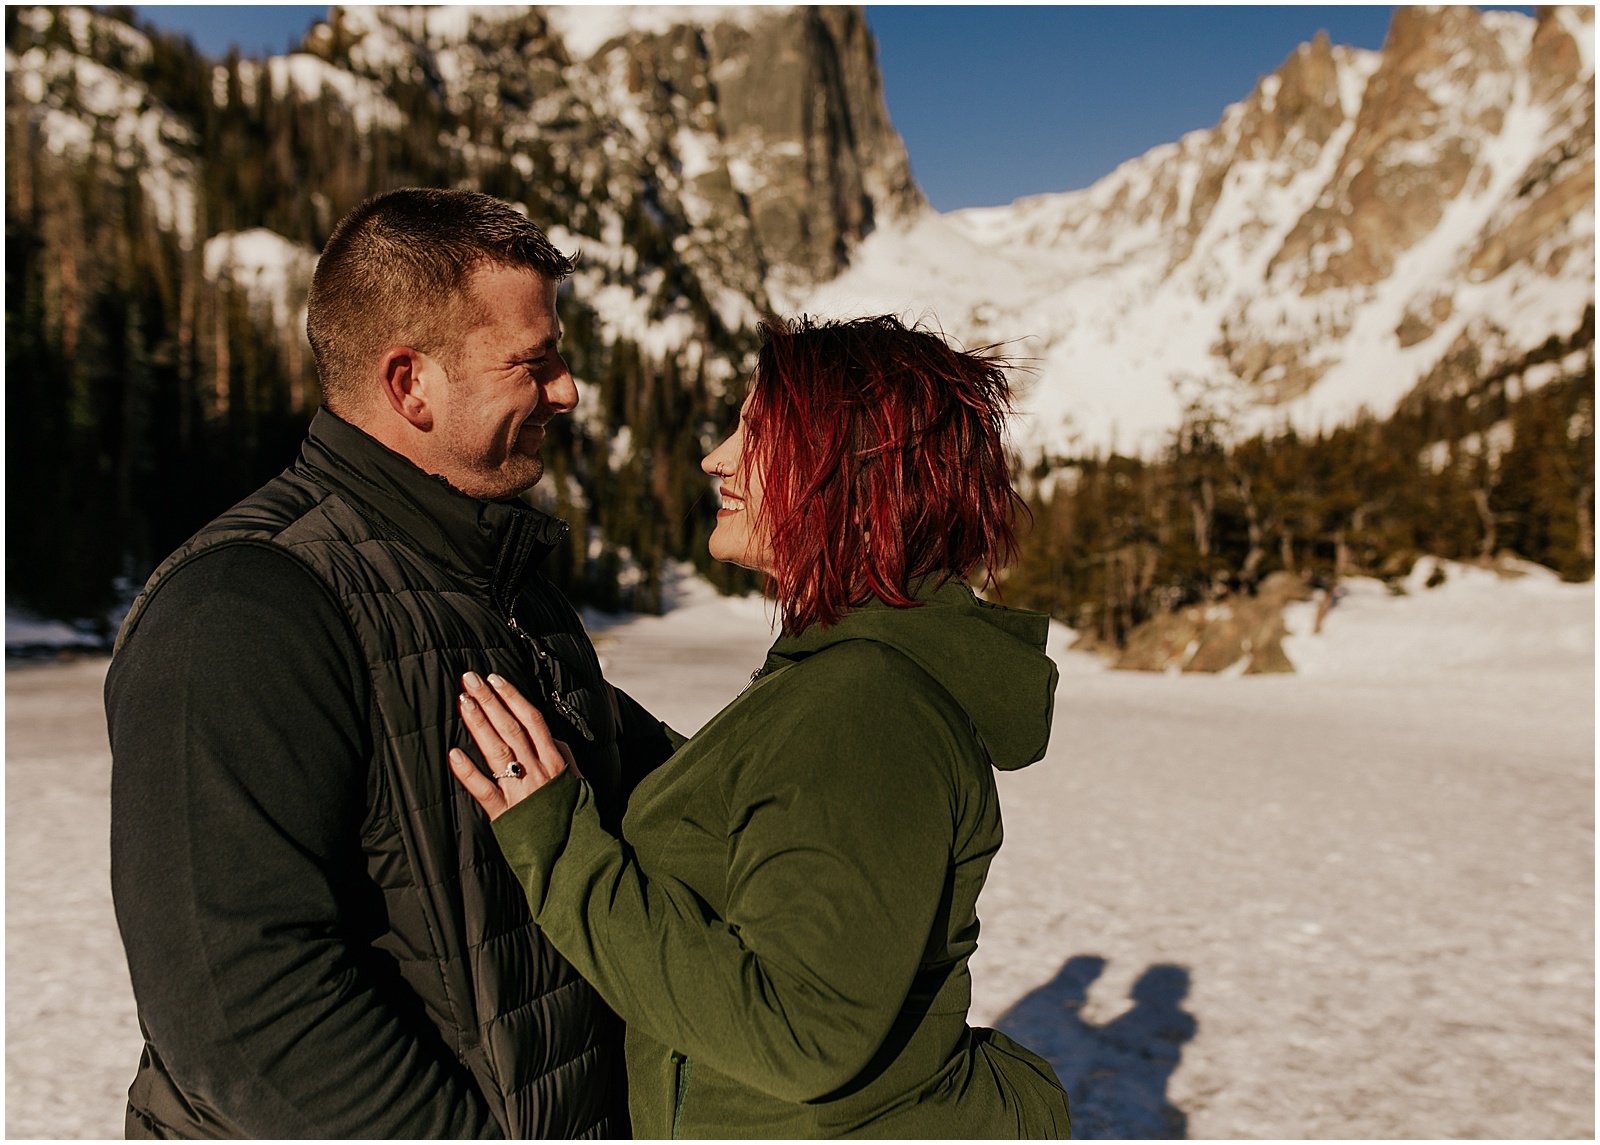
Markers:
1492,469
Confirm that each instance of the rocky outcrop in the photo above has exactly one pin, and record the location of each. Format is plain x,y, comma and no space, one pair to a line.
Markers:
755,140
1445,118
709,163
1243,633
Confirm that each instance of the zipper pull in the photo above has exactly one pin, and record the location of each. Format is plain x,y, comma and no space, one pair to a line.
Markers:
571,715
557,701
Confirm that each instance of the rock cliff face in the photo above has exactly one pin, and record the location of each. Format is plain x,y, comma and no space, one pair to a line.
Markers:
164,212
758,136
748,148
1355,222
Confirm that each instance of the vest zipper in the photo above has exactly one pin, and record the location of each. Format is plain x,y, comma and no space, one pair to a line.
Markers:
557,700
682,1091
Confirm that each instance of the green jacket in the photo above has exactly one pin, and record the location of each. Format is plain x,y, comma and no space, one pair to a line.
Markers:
787,927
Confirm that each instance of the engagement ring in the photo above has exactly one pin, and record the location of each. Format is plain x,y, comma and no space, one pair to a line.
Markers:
514,770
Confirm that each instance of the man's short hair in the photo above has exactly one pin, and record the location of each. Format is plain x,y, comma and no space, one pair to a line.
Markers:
394,272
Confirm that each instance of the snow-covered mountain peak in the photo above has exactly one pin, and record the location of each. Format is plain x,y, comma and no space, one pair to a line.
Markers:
1333,242
1358,224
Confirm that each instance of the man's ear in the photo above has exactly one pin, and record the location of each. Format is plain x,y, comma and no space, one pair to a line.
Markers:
405,377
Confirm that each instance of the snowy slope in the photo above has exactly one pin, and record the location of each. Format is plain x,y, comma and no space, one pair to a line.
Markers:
88,111
1346,903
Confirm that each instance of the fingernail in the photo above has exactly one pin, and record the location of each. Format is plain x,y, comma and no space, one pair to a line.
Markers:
472,680
496,681
468,702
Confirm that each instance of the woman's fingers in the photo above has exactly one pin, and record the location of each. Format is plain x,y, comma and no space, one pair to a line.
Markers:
485,790
553,756
498,754
507,728
521,754
517,746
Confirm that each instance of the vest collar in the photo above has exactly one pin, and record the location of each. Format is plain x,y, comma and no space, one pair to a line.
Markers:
489,544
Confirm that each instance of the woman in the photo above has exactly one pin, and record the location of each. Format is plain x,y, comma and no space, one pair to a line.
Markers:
786,927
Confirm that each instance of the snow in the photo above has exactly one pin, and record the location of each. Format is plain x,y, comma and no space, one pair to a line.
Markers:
1356,902
83,107
311,78
624,312
1459,628
1574,23
585,29
696,151
387,37
81,25
273,271
1122,306
621,448
27,633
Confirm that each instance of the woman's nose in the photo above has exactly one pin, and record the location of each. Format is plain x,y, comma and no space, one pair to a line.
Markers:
712,463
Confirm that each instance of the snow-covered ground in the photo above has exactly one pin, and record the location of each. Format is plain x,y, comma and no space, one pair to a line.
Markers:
1354,902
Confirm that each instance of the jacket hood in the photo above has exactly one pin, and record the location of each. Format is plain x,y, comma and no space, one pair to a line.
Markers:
989,658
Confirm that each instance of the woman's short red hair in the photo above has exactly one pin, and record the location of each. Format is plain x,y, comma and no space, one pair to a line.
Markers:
883,463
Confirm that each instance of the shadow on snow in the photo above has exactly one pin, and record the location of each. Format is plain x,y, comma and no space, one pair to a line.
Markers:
1116,1074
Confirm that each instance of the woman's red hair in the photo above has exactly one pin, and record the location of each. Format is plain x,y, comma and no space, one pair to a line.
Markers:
883,463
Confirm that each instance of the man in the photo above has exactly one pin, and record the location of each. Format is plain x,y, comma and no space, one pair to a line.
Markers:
322,937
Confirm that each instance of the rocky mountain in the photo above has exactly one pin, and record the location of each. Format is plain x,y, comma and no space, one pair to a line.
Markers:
1362,226
749,147
756,139
1408,231
710,164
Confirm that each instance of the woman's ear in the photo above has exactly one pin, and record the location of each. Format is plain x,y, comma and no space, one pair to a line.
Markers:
405,377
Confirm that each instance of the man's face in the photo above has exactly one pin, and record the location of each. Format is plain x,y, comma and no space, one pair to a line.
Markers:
505,380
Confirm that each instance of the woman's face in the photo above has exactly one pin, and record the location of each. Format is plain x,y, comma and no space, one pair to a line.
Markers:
736,538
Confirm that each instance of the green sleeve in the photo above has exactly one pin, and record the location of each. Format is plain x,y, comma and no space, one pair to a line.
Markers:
839,852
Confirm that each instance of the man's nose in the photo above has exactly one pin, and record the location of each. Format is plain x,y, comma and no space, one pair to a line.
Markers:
561,392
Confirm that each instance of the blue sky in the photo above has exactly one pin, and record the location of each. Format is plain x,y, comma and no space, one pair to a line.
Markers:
999,102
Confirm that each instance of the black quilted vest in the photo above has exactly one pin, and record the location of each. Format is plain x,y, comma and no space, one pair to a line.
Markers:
436,583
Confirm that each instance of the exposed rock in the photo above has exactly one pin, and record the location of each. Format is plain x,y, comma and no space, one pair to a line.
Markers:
1551,219
1421,318
709,162
1479,359
1219,636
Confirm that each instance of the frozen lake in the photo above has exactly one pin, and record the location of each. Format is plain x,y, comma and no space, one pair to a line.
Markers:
1357,902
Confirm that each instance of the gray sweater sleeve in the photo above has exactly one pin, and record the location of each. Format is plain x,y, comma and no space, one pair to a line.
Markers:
239,735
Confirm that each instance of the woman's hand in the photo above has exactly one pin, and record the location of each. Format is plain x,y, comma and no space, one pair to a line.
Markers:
515,741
